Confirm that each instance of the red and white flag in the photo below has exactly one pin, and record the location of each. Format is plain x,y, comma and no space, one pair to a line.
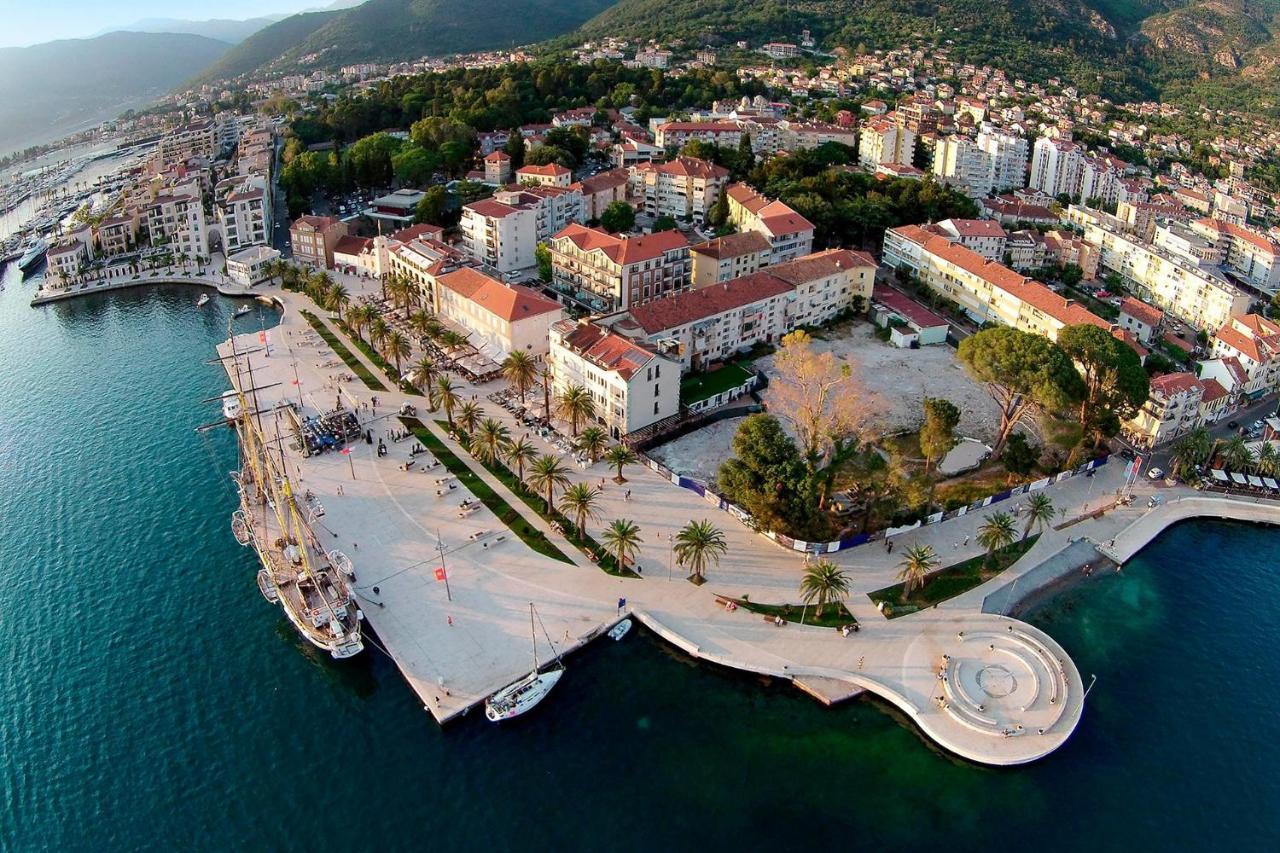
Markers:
439,573
346,451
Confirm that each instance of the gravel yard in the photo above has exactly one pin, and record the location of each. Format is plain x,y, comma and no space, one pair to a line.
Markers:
900,378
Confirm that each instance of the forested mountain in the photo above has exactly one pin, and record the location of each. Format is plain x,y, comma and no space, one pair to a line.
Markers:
1122,47
230,30
394,30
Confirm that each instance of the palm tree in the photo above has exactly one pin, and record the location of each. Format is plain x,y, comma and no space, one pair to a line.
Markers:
824,583
622,539
397,290
451,339
397,347
1040,512
1268,462
420,321
425,370
546,475
545,375
917,562
336,298
489,440
697,544
579,501
447,397
521,371
1190,451
1235,454
469,416
576,405
996,532
520,453
593,442
378,331
620,455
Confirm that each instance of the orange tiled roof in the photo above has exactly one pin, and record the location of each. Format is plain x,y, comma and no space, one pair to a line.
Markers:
511,302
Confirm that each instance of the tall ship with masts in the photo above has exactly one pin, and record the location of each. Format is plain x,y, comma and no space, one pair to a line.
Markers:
308,582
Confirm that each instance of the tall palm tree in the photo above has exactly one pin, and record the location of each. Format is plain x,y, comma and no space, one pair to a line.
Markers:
576,405
1268,462
917,562
996,532
397,347
1191,450
489,440
579,502
378,331
1235,454
697,544
824,583
620,455
593,442
545,375
622,539
447,397
420,321
469,415
1040,512
425,370
521,372
520,453
546,474
337,298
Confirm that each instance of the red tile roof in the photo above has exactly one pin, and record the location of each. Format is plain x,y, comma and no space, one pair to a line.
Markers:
690,167
351,245
691,306
605,348
511,302
778,218
1171,384
900,303
820,265
550,170
417,232
623,250
733,245
1212,390
1141,311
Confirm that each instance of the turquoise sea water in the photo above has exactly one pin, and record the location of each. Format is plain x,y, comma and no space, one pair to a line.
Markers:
150,699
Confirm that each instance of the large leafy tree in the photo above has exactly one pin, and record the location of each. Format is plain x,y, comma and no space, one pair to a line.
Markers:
1025,374
938,434
618,217
1115,382
768,478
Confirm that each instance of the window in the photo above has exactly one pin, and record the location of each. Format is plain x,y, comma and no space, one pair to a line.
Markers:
655,390
655,408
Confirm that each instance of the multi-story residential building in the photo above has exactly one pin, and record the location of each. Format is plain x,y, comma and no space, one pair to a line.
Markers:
554,207
1172,409
175,218
1067,248
1248,254
885,140
197,140
985,290
1026,250
1254,341
1007,153
790,235
633,385
612,272
418,259
1055,166
959,162
498,318
1101,178
549,175
802,135
244,211
678,134
313,239
685,188
252,265
1181,240
629,152
600,191
826,284
65,260
1143,321
1201,295
1142,217
984,236
118,233
729,257
504,236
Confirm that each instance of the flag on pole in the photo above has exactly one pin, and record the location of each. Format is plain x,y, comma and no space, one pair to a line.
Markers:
346,451
439,573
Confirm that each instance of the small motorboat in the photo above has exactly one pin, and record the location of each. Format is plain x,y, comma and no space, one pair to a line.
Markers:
203,300
617,632
267,586
243,309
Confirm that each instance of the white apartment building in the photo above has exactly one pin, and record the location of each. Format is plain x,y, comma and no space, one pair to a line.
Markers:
1254,341
677,134
244,212
1252,256
197,140
1172,409
885,140
959,162
498,318
554,207
985,290
252,265
1201,295
984,236
1008,156
633,386
1055,166
729,257
614,272
175,218
65,260
790,235
685,188
501,235
825,284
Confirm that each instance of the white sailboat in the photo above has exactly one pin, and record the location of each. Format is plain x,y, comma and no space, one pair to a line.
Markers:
521,696
203,300
243,309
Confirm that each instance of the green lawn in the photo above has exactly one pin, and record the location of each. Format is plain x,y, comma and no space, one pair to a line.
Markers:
702,386
519,525
583,542
349,358
834,616
952,581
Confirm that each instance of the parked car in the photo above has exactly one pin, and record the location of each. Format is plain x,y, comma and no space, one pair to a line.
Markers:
1156,473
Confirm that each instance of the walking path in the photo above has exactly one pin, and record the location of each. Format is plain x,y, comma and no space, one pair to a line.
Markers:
171,275
984,686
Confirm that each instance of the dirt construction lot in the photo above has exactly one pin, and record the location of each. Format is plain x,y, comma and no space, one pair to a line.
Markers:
900,378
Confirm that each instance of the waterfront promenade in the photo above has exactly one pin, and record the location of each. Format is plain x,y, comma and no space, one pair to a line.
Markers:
169,275
982,685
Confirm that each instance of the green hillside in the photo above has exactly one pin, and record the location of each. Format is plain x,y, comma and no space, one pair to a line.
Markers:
265,46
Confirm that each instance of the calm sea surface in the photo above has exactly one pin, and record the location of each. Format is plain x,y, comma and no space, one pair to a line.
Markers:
150,699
